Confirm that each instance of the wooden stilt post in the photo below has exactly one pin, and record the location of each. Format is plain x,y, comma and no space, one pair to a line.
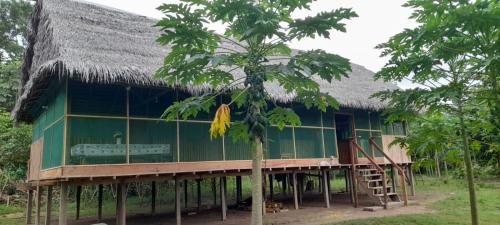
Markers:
177,201
328,179
295,198
346,180
349,181
48,210
214,190
29,207
412,179
121,195
223,198
78,200
185,194
271,187
63,204
300,181
325,189
99,201
198,194
38,202
320,183
393,179
284,184
153,198
239,195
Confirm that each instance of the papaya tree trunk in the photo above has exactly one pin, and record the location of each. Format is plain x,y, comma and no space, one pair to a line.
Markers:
257,183
468,168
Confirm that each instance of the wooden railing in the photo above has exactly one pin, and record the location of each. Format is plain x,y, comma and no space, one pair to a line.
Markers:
355,148
403,179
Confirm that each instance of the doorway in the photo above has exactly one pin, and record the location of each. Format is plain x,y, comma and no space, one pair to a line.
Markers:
345,132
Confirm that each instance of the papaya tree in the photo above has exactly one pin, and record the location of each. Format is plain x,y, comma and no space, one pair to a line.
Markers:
251,52
453,55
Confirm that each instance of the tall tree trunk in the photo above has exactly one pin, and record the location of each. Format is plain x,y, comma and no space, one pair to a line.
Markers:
257,183
468,168
436,158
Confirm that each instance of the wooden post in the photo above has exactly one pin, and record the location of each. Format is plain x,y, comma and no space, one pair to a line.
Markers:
394,178
99,202
271,187
284,184
38,202
384,186
320,182
177,201
29,207
412,179
185,194
48,210
326,191
63,204
198,194
239,195
295,199
78,200
353,175
121,195
223,197
153,198
300,181
328,178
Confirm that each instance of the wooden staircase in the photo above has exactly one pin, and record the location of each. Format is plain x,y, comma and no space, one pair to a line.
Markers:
370,181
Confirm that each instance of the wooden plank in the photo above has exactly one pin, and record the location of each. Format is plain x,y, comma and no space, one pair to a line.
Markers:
38,201
78,201
295,197
99,201
48,209
29,207
178,202
326,191
35,162
63,204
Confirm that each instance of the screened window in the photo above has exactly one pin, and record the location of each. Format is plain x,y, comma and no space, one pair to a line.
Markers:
86,99
361,120
53,145
195,143
152,141
399,128
238,150
280,143
96,141
309,143
330,143
147,102
362,139
308,117
375,120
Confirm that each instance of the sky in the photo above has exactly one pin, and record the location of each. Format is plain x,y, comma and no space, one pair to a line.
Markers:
377,22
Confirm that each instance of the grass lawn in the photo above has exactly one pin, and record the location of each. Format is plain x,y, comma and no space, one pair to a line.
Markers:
452,210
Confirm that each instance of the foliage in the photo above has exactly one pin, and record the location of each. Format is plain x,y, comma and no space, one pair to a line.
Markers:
9,83
15,144
14,21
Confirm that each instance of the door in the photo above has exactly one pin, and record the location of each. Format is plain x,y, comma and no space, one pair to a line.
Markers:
345,133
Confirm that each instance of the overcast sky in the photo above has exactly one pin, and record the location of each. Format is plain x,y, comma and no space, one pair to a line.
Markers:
377,22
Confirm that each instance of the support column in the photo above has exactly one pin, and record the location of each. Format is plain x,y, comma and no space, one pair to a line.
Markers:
63,204
185,194
326,191
223,198
354,187
78,201
29,207
271,187
214,190
283,185
153,198
300,183
38,202
411,177
198,194
295,198
177,201
48,210
121,196
239,196
99,202
328,185
394,176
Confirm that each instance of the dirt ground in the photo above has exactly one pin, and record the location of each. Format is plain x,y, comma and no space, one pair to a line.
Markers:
311,212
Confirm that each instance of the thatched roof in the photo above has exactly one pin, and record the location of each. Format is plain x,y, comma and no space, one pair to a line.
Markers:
92,43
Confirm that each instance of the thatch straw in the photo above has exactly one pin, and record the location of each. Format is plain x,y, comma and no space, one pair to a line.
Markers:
91,43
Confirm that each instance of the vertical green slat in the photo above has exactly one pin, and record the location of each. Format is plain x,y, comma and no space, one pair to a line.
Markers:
308,142
195,143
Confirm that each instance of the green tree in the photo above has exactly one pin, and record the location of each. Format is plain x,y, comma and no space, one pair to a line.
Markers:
15,145
258,33
454,53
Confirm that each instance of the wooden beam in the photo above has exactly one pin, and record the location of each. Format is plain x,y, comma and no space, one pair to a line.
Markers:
121,195
295,198
29,207
394,176
326,191
198,194
48,209
99,201
223,198
178,202
78,201
63,204
38,201
153,198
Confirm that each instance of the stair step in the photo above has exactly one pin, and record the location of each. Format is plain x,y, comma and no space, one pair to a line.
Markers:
382,195
379,187
372,175
376,180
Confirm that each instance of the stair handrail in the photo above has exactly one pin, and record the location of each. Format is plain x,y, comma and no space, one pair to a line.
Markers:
403,179
355,146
